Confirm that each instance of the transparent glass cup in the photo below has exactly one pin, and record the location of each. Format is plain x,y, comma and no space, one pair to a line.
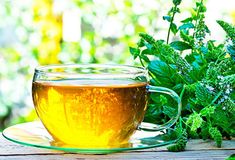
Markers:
94,105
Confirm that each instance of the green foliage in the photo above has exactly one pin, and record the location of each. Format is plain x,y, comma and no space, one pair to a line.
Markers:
203,95
232,157
177,2
230,30
180,46
195,121
205,131
216,135
180,144
208,111
182,139
204,78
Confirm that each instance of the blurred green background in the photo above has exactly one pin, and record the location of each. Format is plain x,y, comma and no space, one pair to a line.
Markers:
40,32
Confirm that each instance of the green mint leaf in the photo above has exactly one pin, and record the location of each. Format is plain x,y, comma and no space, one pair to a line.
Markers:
141,43
187,38
177,2
147,52
169,111
159,100
134,51
145,58
154,114
163,100
174,29
188,25
207,111
163,73
195,121
203,95
211,45
203,8
147,38
190,19
190,58
180,46
204,49
167,18
224,120
148,46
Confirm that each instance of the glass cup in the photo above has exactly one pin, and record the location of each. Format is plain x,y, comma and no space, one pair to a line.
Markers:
94,105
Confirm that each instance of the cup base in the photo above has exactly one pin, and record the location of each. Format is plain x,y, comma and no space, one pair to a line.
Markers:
34,134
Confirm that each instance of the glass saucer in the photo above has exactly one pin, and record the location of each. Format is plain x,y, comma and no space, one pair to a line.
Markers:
34,134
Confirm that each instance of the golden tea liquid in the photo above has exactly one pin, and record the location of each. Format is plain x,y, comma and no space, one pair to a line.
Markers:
90,113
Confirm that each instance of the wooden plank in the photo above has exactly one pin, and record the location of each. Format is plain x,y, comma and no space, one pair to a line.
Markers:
188,155
196,149
199,144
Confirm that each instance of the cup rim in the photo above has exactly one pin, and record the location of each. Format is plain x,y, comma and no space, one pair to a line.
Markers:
130,70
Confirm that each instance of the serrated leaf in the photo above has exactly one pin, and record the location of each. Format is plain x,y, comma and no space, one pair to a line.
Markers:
163,73
223,120
179,45
203,95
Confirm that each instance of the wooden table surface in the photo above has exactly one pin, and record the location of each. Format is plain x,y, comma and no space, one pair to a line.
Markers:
196,149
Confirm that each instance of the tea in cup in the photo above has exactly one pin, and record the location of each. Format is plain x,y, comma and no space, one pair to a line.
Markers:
93,106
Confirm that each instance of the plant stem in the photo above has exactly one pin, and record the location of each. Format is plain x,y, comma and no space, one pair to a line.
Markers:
198,12
182,92
169,29
216,97
185,123
142,63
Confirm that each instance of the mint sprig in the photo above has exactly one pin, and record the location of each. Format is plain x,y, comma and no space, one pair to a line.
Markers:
204,78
